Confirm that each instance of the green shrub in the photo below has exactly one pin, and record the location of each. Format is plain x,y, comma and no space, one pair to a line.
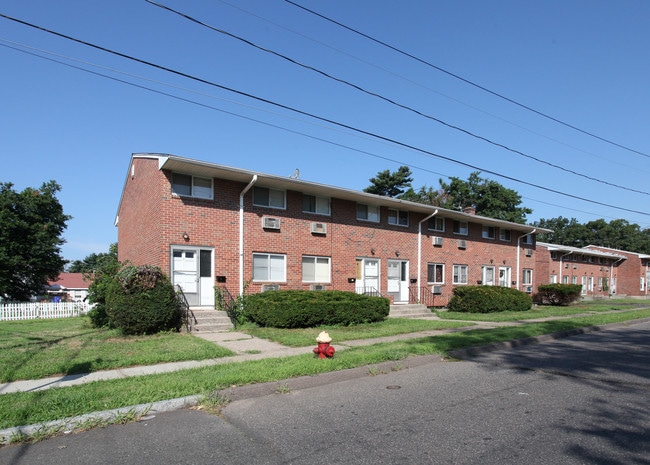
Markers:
308,309
141,300
558,294
97,290
488,299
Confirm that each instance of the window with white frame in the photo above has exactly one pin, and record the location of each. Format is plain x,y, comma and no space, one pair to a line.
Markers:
527,277
269,267
191,186
368,212
398,217
527,239
488,232
315,269
553,279
435,273
505,234
436,224
565,279
642,283
461,227
315,204
574,280
267,197
460,274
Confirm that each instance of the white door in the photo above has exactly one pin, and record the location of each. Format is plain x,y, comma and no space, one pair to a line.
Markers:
398,284
367,280
192,270
504,276
488,276
184,273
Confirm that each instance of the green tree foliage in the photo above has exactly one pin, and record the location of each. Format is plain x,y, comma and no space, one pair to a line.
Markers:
426,195
617,234
490,198
94,261
31,225
390,184
100,271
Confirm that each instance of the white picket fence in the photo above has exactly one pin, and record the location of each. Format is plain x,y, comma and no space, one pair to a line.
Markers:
34,310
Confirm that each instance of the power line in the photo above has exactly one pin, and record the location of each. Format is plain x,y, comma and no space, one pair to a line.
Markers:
467,81
311,115
391,101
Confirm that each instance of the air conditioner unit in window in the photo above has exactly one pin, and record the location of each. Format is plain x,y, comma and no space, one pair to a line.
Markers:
317,287
462,244
270,287
437,290
529,289
529,252
270,223
318,228
438,240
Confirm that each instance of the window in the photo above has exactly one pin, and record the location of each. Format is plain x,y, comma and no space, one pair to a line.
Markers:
565,279
436,224
460,227
505,235
315,269
642,283
554,255
528,239
488,232
368,212
398,217
553,279
191,186
314,204
574,280
266,197
460,274
269,267
435,273
527,277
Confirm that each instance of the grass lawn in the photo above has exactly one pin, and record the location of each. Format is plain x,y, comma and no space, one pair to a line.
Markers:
307,336
40,406
35,349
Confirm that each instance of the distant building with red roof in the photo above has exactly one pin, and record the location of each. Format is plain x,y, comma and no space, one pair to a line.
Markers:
71,287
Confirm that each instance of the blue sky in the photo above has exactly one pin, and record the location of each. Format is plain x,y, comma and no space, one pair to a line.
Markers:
584,63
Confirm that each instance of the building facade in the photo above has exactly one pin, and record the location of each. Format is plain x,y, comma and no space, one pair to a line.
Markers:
207,224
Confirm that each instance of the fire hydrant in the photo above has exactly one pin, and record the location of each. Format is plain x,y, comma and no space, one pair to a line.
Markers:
324,348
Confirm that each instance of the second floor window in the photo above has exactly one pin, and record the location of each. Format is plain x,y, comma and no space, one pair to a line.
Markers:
398,217
314,204
461,227
436,224
505,234
191,186
368,212
488,232
267,197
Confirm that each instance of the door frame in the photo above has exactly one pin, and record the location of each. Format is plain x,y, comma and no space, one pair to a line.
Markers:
401,295
204,276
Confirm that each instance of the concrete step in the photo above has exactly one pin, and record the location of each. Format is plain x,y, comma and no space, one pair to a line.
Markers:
410,311
210,320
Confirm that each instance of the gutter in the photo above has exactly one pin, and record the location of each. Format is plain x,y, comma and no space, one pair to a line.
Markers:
519,256
420,251
241,233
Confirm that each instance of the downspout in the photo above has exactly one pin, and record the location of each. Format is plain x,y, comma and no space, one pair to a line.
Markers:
519,256
611,274
562,264
241,233
420,251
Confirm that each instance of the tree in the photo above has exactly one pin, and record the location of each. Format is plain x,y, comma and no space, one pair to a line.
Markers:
94,261
488,197
390,184
31,225
426,195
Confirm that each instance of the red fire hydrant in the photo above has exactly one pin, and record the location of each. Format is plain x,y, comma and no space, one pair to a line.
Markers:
324,348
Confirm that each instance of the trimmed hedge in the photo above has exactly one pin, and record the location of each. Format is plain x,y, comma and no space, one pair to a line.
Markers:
142,300
558,294
308,309
489,299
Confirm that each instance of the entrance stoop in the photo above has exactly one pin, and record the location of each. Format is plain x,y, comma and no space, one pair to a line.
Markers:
410,311
209,320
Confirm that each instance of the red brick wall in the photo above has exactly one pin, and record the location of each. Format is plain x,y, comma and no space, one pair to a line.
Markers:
151,219
628,273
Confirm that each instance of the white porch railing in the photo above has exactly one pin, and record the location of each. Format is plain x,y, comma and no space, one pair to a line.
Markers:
34,310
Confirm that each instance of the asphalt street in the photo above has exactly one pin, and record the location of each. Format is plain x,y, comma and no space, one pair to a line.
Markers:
578,400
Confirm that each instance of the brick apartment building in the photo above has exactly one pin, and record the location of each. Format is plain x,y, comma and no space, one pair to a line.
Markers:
632,274
207,224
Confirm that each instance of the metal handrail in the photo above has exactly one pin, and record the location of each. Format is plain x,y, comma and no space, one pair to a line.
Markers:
226,302
426,296
186,312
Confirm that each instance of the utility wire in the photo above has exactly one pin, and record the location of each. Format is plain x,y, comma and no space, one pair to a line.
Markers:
392,102
467,81
311,115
